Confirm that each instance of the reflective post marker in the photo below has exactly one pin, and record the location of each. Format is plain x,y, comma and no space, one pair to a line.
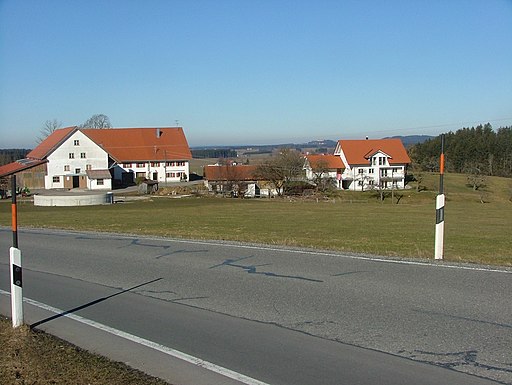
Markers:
439,242
16,288
15,264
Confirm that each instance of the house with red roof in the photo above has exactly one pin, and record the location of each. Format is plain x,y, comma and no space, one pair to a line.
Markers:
102,158
232,178
324,166
369,164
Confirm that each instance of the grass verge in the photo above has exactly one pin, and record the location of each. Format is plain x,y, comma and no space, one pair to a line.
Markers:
475,232
32,357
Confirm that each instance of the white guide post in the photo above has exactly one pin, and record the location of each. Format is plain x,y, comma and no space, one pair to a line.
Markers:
439,243
16,287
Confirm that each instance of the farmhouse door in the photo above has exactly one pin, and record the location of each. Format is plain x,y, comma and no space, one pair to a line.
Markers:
76,181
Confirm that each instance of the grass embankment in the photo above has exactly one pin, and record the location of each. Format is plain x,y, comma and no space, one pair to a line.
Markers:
30,357
351,222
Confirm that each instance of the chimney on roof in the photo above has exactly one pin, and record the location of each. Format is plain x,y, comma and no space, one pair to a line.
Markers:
158,133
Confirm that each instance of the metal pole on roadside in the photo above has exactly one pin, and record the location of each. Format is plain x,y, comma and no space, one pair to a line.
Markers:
440,199
15,263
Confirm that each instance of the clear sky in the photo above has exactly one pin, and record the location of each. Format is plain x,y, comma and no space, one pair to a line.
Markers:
256,71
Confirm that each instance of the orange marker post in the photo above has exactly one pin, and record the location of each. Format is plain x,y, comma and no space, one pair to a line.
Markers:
439,241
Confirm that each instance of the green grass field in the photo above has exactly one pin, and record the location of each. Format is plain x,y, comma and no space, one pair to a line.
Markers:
349,222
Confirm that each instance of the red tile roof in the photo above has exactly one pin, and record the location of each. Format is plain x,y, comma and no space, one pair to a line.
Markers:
359,151
19,165
47,146
230,172
331,161
142,144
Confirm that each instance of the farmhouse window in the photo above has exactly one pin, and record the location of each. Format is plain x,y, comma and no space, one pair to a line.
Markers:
82,155
88,167
56,179
180,163
76,142
155,164
77,171
371,171
170,164
66,167
127,165
382,161
141,165
361,171
140,175
71,155
99,182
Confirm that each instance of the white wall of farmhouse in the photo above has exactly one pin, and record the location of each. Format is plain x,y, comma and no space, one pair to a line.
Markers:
67,165
161,171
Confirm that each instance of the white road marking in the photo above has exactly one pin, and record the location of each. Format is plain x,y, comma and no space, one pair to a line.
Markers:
150,344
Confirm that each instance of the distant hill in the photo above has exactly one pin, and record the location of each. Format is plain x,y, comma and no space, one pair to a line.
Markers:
319,143
410,140
325,146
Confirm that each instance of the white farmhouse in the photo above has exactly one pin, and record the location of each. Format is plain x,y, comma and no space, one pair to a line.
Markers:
369,164
104,158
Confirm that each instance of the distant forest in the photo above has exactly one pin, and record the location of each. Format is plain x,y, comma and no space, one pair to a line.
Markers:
10,155
213,153
475,150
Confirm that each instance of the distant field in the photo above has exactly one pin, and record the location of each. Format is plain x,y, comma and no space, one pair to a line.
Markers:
196,165
349,222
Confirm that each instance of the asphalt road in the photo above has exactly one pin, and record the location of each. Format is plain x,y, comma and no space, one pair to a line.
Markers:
280,316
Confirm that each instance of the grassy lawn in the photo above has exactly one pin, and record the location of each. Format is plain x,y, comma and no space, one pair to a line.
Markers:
350,222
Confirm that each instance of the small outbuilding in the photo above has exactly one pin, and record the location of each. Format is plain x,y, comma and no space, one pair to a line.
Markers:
148,187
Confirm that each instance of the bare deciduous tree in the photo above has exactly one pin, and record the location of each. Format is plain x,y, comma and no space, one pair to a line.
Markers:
285,167
97,121
475,178
321,178
48,128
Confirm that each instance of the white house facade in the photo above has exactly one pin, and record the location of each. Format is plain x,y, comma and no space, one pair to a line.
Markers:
373,164
160,171
68,164
100,159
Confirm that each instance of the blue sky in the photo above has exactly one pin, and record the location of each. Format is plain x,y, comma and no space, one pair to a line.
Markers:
256,72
